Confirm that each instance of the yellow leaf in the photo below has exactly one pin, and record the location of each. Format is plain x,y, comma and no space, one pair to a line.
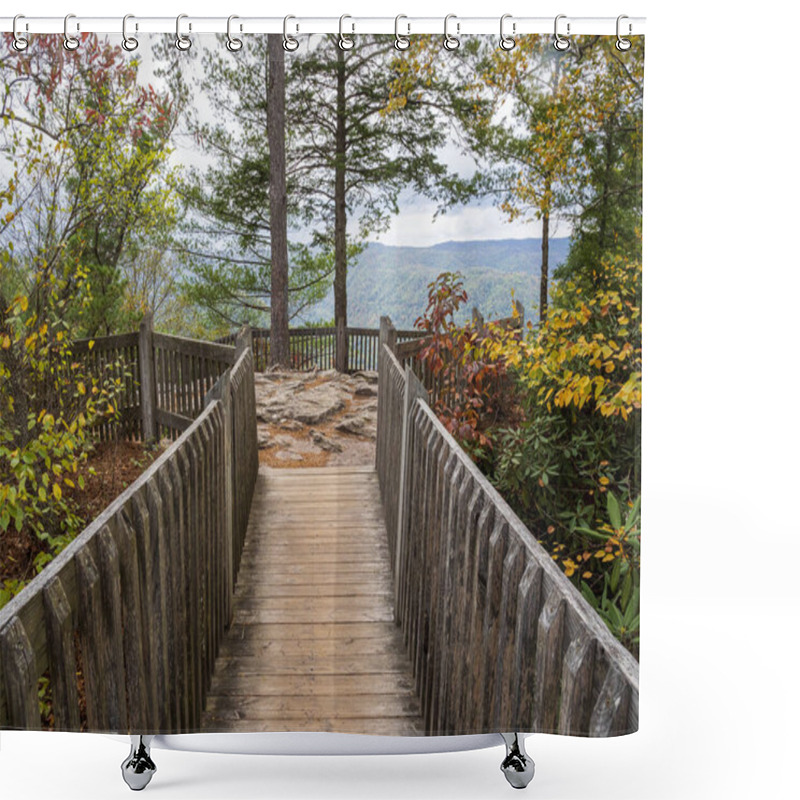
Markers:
56,491
81,388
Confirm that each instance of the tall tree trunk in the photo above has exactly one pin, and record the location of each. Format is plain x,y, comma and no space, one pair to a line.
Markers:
279,248
545,267
340,217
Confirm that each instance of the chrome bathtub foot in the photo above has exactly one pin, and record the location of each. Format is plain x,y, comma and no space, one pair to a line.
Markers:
138,768
517,766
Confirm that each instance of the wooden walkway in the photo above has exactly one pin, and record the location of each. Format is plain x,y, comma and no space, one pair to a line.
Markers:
313,645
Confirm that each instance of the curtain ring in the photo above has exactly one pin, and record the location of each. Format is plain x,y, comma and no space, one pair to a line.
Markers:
70,42
20,43
345,42
233,44
623,44
559,42
129,43
507,42
290,44
182,42
450,42
401,42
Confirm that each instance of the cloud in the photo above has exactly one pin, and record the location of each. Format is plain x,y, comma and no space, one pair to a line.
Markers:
414,226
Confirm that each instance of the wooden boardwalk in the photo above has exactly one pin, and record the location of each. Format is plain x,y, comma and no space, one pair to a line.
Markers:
313,645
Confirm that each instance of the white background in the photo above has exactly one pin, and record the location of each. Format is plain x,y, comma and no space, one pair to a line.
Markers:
720,603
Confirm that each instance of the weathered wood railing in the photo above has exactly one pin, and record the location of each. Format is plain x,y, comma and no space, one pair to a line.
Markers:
499,638
133,611
323,348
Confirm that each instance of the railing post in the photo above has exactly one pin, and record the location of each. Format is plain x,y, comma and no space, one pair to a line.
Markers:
222,391
147,378
413,390
244,339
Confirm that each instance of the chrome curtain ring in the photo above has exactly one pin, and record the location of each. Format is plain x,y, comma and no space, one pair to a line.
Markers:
345,42
129,43
233,44
560,42
401,42
507,42
623,44
450,42
182,42
290,44
20,43
71,42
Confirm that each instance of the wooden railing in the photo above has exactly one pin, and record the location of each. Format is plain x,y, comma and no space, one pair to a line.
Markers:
324,347
131,614
499,638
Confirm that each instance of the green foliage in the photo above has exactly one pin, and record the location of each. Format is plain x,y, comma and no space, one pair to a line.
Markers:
49,402
553,417
617,602
95,186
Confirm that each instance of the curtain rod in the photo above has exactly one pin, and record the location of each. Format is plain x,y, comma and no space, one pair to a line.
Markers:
408,25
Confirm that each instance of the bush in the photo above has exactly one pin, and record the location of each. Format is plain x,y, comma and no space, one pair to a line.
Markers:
553,417
49,403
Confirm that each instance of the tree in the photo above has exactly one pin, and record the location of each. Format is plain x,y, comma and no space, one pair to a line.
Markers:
607,194
357,158
276,124
94,142
347,161
227,237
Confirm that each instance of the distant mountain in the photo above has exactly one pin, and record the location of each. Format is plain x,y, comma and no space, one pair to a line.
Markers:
393,280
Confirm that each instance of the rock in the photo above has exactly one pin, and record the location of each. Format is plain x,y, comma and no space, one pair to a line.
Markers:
288,455
357,426
324,443
265,441
368,376
366,390
290,425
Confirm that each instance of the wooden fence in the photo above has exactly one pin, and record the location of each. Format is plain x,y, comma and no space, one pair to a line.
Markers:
110,358
322,347
499,638
134,609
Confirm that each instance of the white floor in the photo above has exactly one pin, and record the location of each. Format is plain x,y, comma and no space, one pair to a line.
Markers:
718,719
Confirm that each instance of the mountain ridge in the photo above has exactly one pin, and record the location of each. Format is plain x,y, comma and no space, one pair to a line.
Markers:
393,279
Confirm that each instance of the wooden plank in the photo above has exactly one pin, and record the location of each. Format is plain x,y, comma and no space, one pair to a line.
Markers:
141,698
225,354
147,378
528,611
303,706
576,687
398,682
92,631
610,713
548,663
113,650
402,726
60,627
172,419
20,676
101,343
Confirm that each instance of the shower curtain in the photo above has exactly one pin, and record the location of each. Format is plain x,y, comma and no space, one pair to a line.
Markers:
320,373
